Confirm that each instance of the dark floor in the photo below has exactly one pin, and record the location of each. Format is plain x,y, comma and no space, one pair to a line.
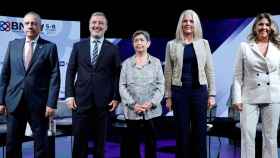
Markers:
165,148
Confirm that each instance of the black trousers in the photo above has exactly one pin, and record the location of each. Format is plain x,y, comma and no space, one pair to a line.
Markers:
16,124
136,129
89,124
190,110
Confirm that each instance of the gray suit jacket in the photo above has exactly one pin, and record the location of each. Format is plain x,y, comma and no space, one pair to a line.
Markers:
174,64
39,84
256,78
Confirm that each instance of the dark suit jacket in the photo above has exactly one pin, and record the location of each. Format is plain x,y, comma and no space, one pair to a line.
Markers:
96,84
39,84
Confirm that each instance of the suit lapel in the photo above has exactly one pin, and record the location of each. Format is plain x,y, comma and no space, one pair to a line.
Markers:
178,49
270,50
271,56
86,50
36,53
196,47
255,49
20,53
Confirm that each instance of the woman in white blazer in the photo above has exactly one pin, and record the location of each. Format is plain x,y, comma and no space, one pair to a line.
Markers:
190,85
256,87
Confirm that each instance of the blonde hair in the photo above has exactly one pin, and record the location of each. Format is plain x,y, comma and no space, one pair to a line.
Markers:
274,33
197,34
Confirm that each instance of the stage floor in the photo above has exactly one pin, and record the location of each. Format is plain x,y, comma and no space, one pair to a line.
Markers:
165,148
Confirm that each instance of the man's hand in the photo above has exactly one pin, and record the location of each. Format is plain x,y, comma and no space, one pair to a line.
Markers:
49,112
2,109
113,104
71,103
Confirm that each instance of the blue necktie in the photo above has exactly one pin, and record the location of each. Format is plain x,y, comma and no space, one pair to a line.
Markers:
94,53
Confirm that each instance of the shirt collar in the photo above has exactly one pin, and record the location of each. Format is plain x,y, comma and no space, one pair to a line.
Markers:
100,40
34,40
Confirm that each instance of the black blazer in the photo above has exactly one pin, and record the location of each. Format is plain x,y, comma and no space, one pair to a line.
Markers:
39,84
96,84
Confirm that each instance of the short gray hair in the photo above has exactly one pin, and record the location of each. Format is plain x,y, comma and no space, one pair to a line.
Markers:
38,17
141,32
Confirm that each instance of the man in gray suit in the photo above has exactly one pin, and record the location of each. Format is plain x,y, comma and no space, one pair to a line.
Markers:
29,87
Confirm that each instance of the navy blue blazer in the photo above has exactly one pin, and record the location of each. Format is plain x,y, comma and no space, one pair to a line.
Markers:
39,84
96,84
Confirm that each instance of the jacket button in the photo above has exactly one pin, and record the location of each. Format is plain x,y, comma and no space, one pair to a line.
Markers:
267,83
267,73
258,74
259,84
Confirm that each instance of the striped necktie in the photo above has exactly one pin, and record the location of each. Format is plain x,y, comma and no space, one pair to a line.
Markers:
94,53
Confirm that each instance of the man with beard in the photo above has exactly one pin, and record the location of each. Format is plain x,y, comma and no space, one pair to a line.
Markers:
92,86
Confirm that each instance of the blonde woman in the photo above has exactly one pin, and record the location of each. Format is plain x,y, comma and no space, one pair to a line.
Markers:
190,85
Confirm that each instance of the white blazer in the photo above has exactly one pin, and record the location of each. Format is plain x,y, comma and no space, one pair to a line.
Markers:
257,78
